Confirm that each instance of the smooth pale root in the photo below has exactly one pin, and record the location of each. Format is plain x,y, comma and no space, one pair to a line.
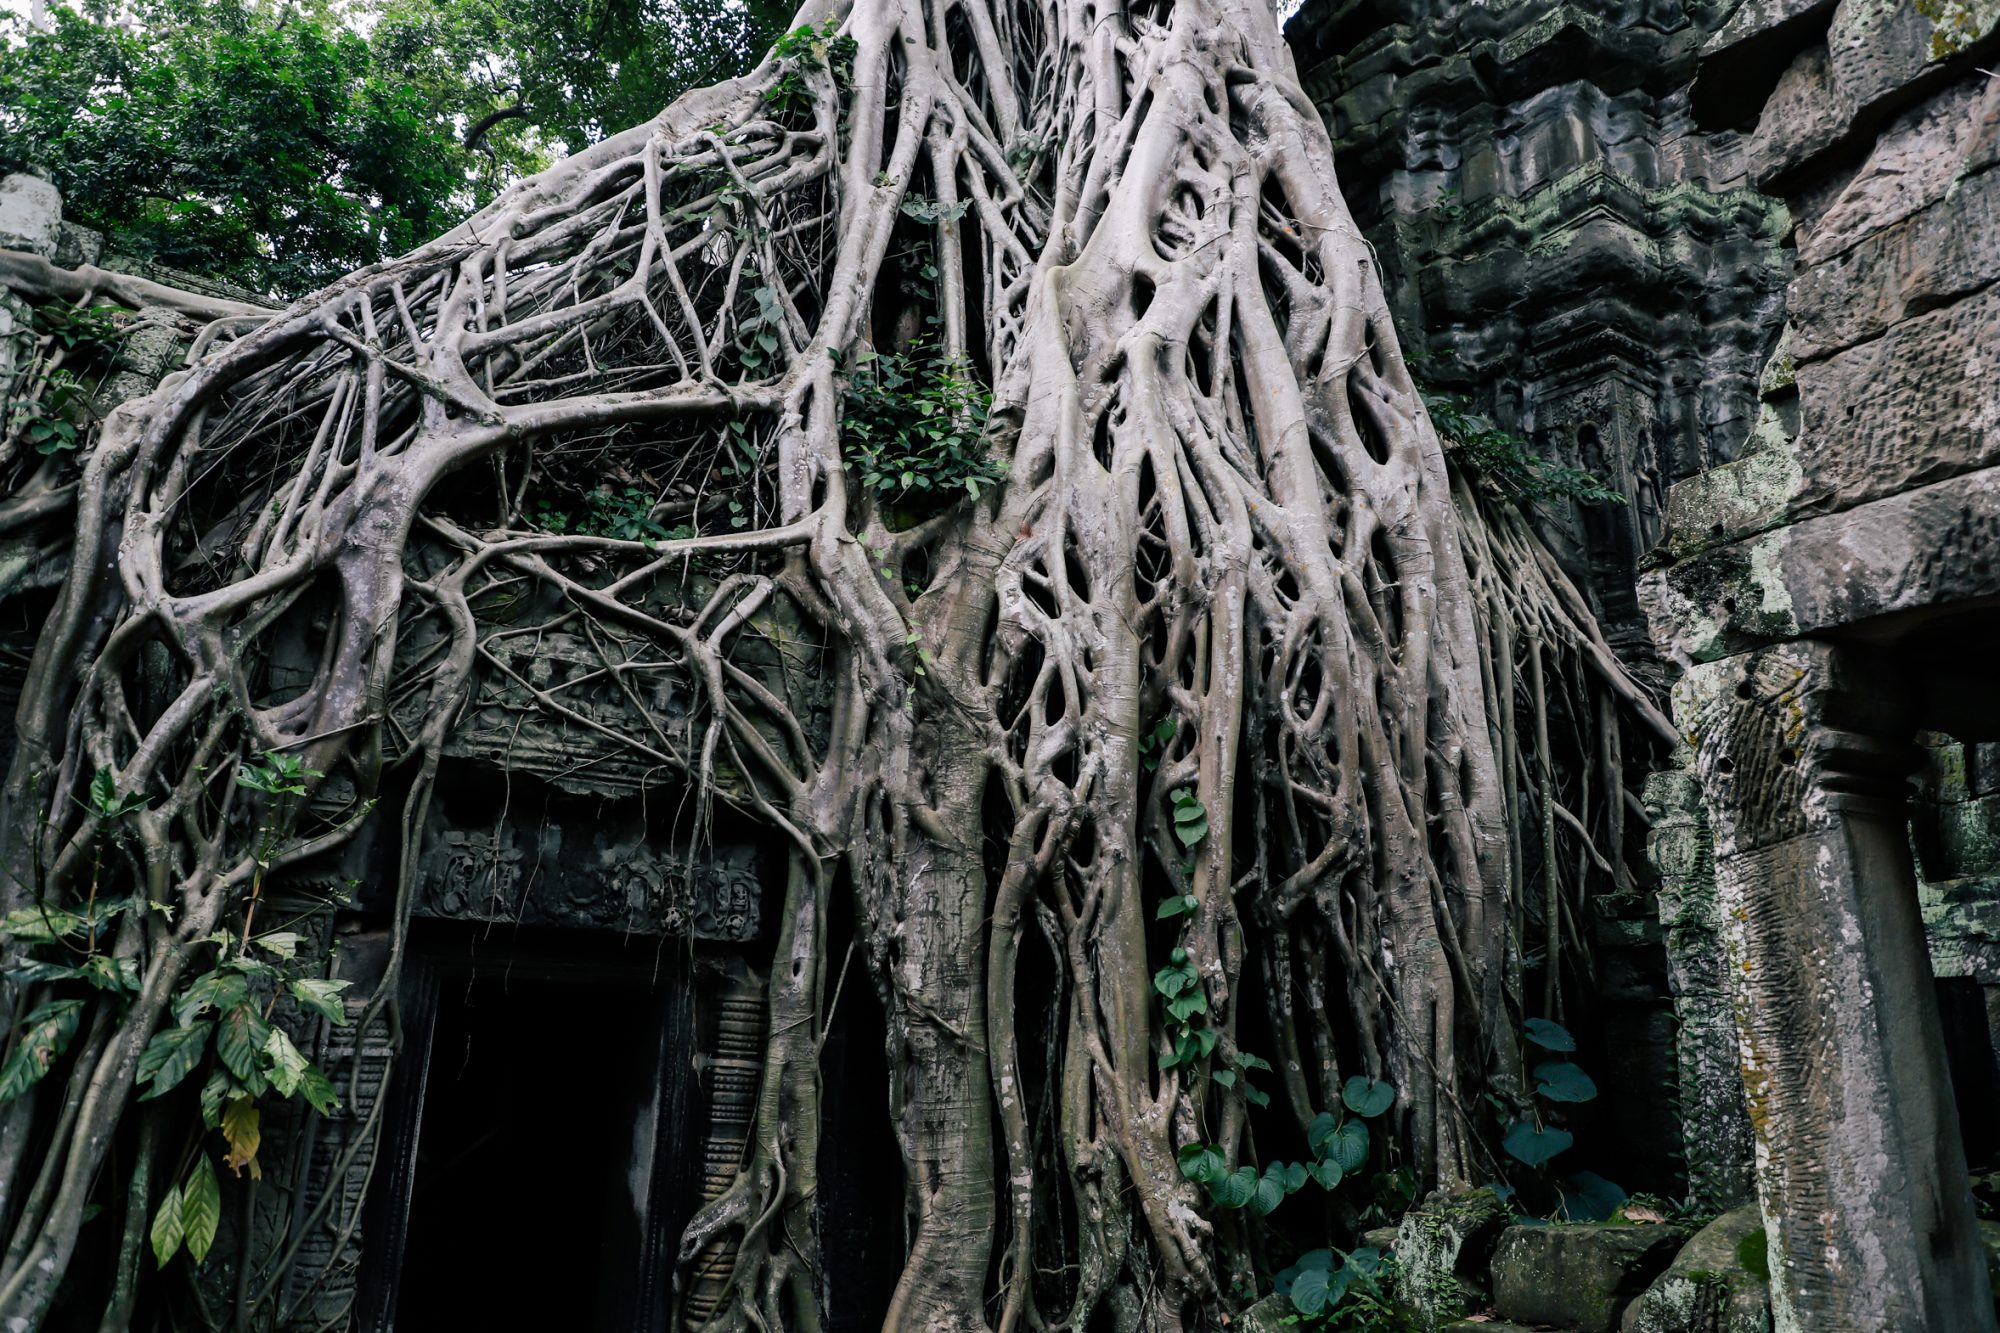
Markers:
1226,526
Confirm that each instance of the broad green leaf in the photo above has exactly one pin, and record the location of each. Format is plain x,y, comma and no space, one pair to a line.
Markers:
1172,980
1589,1197
45,1035
317,1089
240,1040
166,1230
1367,1096
1224,1078
322,997
212,990
1560,1081
1349,1146
1256,1096
288,1063
1549,1036
1270,1191
170,1057
1178,905
40,925
1235,1189
1310,1290
1183,1006
282,943
1328,1174
120,976
1190,832
201,1208
1321,1131
219,1089
1295,1177
1535,1146
1201,1162
1364,1262
1245,1060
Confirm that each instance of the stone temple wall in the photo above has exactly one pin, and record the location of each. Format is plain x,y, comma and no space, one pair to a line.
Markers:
1561,242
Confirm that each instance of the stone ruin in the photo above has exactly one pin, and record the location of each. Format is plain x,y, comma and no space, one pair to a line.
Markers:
1735,259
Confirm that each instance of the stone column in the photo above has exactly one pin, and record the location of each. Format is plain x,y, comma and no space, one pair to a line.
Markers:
1802,749
1715,1129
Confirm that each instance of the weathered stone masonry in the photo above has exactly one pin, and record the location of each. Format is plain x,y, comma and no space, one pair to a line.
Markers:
1829,595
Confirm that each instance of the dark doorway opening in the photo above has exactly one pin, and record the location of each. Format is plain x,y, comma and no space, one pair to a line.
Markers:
521,1211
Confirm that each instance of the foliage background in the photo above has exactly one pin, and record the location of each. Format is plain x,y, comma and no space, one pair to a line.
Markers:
281,145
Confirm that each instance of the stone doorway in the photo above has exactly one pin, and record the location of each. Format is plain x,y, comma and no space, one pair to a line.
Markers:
538,1174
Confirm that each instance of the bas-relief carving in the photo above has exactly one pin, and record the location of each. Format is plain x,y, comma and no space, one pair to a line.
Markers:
560,875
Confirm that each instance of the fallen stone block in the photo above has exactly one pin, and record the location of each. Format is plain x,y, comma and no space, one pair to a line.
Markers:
1708,1288
1578,1277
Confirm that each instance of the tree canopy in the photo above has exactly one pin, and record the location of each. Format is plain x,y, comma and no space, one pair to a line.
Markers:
283,144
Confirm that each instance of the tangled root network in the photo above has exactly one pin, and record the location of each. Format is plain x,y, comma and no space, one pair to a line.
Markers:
1011,373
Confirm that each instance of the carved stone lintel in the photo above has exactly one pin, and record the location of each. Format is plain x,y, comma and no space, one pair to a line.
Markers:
562,874
1801,749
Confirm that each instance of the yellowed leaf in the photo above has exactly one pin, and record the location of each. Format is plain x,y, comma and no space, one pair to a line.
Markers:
1639,1212
242,1128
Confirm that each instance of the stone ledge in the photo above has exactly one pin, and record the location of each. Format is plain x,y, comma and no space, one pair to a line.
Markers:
1923,549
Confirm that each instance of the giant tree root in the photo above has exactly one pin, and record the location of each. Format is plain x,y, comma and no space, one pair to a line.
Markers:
1208,675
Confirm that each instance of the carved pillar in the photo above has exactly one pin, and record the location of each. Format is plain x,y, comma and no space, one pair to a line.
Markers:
1802,751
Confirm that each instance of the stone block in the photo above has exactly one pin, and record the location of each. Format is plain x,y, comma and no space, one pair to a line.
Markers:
1803,118
1442,1249
1927,260
1578,1277
30,215
1707,1289
1903,410
1929,547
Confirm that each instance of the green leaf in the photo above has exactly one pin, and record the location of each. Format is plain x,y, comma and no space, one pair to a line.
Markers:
1245,1060
1364,1262
1349,1146
167,1230
283,943
1256,1096
288,1063
240,1040
1367,1096
1321,1131
213,990
1549,1036
40,925
317,1089
1560,1081
1295,1177
120,976
45,1035
1270,1191
1178,905
1201,1163
1235,1189
1533,1145
219,1089
1328,1174
1182,1007
201,1207
1312,1291
1224,1078
322,997
170,1057
1172,980
1589,1197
